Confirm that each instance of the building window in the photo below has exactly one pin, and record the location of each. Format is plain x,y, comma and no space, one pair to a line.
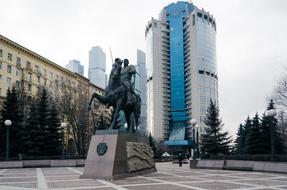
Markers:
38,79
0,77
9,69
18,84
17,71
29,77
9,82
9,56
18,61
201,72
29,87
51,75
1,53
0,64
45,72
38,90
28,64
45,82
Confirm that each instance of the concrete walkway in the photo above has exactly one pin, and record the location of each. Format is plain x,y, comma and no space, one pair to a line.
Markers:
168,177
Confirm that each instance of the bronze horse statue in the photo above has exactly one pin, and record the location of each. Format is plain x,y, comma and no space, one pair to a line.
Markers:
118,100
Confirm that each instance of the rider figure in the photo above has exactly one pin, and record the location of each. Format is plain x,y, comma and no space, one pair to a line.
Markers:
126,74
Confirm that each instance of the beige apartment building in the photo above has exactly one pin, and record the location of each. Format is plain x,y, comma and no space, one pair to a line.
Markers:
21,67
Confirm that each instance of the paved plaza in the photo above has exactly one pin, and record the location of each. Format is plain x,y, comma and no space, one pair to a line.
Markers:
168,177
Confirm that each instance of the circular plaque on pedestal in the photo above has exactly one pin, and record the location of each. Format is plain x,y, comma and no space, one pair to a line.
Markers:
102,148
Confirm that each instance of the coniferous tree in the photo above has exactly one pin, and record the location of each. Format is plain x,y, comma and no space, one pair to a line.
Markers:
43,111
253,143
10,110
33,145
214,142
53,148
240,140
152,143
247,128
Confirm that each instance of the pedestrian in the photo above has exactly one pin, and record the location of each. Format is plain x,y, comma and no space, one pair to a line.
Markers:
188,156
180,158
20,156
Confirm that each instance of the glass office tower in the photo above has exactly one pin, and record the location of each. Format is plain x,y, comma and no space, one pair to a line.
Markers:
75,66
181,71
97,67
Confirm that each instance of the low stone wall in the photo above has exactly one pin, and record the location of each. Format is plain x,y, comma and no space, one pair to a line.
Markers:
238,165
63,163
280,167
11,164
211,164
42,163
36,163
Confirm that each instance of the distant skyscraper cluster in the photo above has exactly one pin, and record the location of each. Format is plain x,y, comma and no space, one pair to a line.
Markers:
76,67
97,67
181,71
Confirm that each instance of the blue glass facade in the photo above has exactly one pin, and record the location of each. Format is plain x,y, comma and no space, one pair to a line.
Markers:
175,14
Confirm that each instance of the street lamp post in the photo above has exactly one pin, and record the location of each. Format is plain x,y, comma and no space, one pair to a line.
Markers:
197,142
7,123
193,122
272,113
63,126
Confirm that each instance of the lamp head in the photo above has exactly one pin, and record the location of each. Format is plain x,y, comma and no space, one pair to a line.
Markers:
8,122
63,125
193,121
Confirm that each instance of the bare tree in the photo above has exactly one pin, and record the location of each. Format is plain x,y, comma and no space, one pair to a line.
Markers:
72,105
280,98
280,93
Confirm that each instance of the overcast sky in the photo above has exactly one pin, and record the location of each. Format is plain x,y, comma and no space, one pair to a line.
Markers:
251,40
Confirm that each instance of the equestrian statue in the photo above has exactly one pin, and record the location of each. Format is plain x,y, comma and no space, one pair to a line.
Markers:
120,95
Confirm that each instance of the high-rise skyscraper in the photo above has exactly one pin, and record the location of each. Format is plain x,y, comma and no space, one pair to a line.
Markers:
97,67
181,71
75,66
140,88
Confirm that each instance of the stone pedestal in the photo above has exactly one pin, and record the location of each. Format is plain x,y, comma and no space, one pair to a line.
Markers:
114,154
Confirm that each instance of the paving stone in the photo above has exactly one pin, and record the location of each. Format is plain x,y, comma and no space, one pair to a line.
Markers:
218,185
79,183
25,185
168,177
3,180
221,177
156,175
263,182
252,175
101,188
62,177
157,187
175,179
134,180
